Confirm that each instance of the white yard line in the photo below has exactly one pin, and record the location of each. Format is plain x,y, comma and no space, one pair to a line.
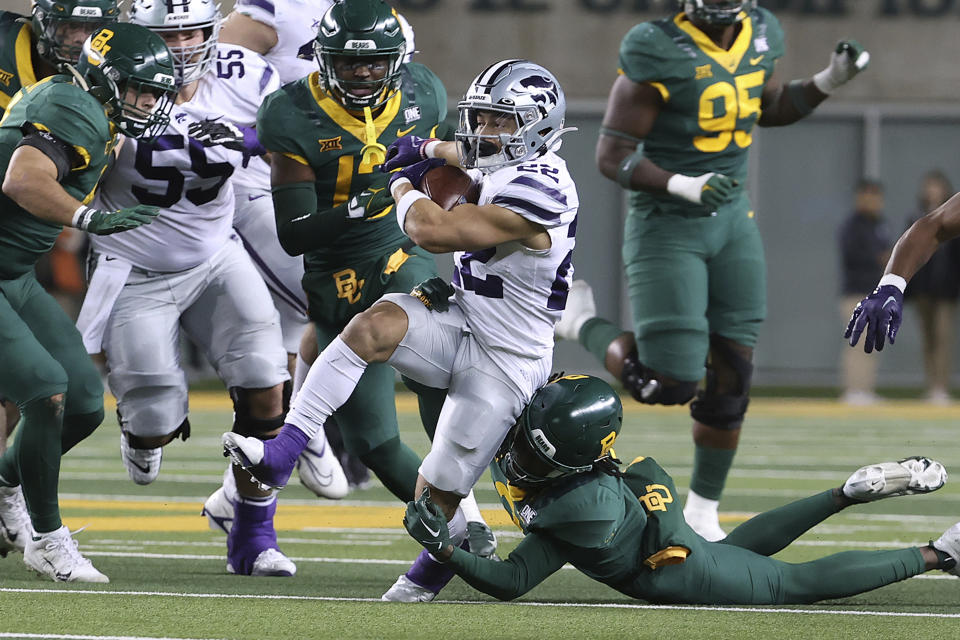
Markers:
72,636
611,605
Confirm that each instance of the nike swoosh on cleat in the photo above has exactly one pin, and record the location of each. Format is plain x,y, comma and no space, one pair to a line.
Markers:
143,469
889,300
429,530
63,577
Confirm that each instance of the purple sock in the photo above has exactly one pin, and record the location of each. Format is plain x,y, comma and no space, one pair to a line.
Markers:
280,455
430,574
251,534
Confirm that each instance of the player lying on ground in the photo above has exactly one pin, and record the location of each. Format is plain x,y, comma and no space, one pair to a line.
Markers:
558,478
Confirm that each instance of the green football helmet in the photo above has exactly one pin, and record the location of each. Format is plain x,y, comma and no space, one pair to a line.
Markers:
719,13
54,20
121,64
568,426
364,30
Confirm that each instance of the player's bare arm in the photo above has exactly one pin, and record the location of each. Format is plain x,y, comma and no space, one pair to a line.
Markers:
467,227
245,31
780,108
31,182
632,109
922,239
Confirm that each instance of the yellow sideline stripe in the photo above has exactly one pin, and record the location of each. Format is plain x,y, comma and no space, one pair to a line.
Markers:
759,407
186,516
289,518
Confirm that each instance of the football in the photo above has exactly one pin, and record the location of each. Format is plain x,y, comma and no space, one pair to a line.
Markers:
449,186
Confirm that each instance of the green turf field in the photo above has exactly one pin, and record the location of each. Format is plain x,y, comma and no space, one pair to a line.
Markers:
168,578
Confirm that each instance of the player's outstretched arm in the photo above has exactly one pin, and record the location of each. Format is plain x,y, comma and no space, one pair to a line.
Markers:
881,312
243,30
632,109
784,104
466,227
32,181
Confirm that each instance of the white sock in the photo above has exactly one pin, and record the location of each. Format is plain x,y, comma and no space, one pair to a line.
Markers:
300,371
470,508
230,484
700,504
329,383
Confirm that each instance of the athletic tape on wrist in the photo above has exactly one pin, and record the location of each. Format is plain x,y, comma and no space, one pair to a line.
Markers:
428,148
404,204
895,280
81,217
798,97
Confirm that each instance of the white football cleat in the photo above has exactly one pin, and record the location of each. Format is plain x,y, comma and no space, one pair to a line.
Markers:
15,529
949,543
320,471
580,308
406,590
219,511
270,562
887,479
55,555
481,541
143,465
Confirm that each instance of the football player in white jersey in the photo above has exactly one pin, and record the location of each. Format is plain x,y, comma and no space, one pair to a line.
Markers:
489,338
191,272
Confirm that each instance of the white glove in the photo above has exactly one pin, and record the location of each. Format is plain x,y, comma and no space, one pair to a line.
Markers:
846,61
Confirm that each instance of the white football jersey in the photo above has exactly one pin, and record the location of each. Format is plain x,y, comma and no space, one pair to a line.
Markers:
296,23
513,295
189,182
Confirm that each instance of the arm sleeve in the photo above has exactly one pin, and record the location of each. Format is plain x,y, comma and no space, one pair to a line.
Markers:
300,227
534,559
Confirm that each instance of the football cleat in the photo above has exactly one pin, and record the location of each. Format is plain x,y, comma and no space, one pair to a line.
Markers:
143,465
219,511
481,541
320,471
406,590
56,556
270,562
887,479
15,528
580,308
704,522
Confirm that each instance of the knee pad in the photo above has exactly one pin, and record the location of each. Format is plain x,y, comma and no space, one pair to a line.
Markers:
723,403
247,425
141,442
649,387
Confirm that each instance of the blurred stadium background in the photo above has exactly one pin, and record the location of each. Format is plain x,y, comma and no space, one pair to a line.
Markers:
896,122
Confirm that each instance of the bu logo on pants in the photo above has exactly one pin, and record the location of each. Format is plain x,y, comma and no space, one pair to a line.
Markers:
347,285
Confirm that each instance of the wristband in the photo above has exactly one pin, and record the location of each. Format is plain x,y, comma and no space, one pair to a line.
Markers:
82,216
625,171
428,148
893,279
398,182
688,187
404,204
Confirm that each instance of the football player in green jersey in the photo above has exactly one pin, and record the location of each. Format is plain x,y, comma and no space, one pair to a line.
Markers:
561,484
676,135
31,50
327,134
55,141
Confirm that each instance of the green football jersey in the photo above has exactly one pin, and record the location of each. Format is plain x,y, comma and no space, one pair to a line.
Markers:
56,105
615,530
711,96
16,56
304,123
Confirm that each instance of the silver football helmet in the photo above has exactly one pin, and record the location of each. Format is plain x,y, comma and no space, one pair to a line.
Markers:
165,16
721,13
517,89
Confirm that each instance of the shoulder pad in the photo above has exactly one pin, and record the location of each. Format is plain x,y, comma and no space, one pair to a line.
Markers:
651,51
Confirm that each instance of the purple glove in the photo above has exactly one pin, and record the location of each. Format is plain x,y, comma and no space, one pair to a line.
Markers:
881,313
404,152
415,172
